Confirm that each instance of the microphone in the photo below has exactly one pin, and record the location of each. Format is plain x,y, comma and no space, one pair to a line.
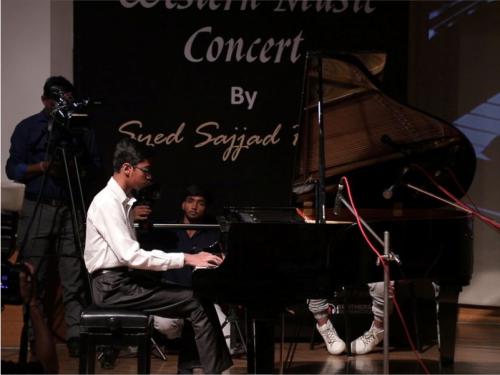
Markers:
386,139
85,103
338,200
389,192
92,101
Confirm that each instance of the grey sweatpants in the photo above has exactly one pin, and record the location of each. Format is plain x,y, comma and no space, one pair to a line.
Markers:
319,307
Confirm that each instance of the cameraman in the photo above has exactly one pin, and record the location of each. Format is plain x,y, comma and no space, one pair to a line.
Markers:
35,160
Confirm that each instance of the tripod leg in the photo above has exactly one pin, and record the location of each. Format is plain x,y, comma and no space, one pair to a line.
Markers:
240,334
162,354
23,349
293,346
74,216
76,221
225,326
79,186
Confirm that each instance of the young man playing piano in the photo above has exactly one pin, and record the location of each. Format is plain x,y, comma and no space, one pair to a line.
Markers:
364,344
112,253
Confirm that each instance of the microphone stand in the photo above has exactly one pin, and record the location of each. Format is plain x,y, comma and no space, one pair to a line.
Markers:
321,199
386,300
319,191
423,191
388,256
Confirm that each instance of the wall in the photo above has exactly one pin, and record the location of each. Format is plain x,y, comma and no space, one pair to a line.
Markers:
453,74
37,41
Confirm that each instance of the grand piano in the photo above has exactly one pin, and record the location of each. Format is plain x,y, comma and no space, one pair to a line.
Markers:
275,258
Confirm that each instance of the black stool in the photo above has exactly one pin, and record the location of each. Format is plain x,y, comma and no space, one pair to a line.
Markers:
114,327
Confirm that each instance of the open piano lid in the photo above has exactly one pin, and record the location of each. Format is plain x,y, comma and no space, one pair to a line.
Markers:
372,138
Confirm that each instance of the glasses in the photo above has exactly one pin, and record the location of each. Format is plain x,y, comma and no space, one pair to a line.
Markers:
146,171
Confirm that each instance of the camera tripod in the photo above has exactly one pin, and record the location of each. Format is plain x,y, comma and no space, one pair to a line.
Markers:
109,354
233,321
60,149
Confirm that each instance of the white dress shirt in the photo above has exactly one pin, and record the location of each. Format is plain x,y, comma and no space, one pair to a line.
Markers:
110,238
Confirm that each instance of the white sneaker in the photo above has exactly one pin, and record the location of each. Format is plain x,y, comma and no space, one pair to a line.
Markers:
368,341
334,344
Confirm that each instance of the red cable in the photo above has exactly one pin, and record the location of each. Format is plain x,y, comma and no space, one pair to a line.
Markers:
384,264
301,213
462,190
408,337
360,225
474,212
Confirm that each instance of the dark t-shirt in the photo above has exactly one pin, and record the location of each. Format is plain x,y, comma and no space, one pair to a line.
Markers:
201,240
30,145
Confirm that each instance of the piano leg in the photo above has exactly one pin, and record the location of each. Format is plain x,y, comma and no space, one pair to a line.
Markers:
447,316
260,343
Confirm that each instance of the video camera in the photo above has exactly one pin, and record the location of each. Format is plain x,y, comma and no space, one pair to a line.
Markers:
148,195
69,114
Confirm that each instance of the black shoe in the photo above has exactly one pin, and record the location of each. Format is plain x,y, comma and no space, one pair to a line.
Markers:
238,351
108,358
194,370
73,345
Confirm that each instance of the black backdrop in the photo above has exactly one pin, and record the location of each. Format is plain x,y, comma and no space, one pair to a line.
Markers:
148,62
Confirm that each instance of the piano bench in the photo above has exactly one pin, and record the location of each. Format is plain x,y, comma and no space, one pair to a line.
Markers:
115,327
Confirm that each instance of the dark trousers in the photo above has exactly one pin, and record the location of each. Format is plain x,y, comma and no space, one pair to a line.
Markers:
51,238
134,290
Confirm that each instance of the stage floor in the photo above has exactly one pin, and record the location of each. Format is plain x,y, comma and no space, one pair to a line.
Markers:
477,352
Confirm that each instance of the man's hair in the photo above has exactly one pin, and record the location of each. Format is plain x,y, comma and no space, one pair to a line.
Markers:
55,84
197,191
130,151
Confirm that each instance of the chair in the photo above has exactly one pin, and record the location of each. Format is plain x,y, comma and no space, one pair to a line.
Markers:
114,327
